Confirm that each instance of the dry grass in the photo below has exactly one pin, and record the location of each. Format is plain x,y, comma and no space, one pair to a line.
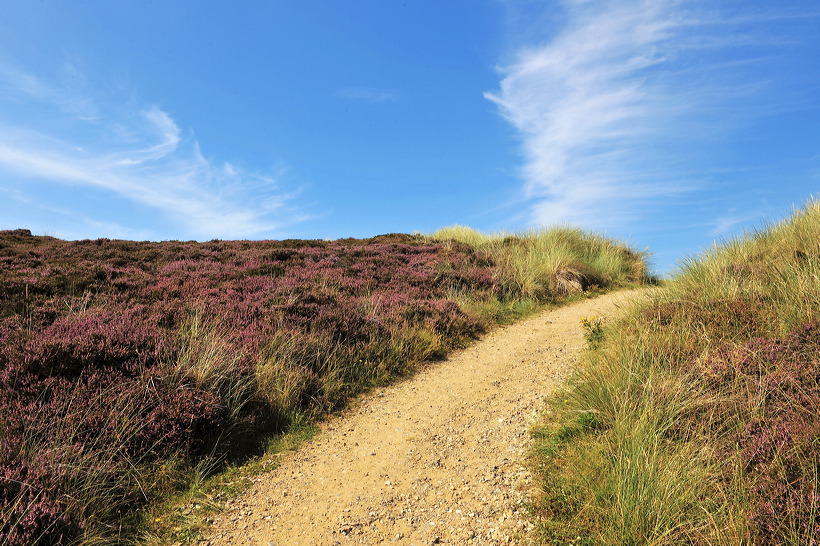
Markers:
550,264
693,422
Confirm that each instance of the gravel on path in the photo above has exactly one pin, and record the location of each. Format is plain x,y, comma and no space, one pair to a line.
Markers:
436,459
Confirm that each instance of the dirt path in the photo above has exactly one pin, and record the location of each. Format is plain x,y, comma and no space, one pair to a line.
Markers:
436,459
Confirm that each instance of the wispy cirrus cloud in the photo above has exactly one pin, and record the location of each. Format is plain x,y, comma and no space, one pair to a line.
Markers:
140,157
612,107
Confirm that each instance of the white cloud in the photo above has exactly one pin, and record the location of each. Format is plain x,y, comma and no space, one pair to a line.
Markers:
166,131
69,96
728,224
611,105
584,103
144,158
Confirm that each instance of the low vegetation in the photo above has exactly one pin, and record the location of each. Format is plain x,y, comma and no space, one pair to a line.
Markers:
694,419
549,264
129,370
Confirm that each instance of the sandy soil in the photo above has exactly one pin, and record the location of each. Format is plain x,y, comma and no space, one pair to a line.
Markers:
435,459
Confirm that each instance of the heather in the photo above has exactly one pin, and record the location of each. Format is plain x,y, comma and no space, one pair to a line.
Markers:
694,420
553,263
127,367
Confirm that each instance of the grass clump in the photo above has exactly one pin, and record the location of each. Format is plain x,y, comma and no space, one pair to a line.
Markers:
704,407
548,265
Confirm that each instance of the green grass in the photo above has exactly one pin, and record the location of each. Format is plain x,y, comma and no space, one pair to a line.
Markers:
551,264
692,420
184,516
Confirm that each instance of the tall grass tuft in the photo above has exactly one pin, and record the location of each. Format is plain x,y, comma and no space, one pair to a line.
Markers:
700,407
550,264
208,360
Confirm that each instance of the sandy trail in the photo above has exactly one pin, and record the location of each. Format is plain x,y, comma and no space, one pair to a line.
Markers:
435,459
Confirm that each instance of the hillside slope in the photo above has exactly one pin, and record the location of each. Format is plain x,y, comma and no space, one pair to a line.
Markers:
695,420
129,370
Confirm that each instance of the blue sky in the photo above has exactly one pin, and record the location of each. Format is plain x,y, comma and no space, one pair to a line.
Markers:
667,123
